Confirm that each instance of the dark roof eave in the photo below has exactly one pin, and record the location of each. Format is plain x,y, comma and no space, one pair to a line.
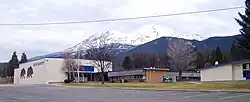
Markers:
223,64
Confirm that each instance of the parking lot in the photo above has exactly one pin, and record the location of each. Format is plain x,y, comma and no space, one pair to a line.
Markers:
49,93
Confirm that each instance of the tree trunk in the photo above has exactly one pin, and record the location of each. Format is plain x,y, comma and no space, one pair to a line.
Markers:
102,73
68,75
102,78
180,75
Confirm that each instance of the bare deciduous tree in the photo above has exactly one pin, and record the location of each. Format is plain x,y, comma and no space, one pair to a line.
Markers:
69,64
99,49
145,59
181,55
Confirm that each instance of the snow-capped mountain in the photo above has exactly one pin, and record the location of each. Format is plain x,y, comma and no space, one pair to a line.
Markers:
149,33
52,55
125,42
78,47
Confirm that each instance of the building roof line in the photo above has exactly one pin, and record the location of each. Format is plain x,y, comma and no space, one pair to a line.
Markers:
140,69
226,63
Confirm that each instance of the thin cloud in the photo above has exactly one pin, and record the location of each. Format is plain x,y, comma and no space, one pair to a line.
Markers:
38,40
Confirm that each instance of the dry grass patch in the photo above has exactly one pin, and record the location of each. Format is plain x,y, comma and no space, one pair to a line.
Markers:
3,81
227,85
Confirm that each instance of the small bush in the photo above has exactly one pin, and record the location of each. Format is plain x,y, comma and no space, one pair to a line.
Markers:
141,80
112,81
67,81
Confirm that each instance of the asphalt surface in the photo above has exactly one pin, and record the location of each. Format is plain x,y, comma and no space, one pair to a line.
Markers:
49,93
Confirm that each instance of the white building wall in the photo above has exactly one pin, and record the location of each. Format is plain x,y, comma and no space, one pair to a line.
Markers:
49,70
220,73
38,76
53,68
16,76
238,71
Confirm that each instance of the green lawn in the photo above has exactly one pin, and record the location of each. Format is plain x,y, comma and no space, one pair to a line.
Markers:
226,85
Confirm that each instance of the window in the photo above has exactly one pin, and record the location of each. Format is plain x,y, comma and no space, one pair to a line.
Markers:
244,74
244,66
132,77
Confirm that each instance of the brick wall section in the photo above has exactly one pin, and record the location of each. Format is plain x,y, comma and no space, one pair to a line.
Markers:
154,76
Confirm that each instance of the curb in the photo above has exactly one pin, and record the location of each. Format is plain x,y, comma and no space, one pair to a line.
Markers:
187,90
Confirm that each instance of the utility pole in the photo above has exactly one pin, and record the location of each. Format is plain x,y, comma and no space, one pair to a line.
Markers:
2,71
158,62
78,67
78,63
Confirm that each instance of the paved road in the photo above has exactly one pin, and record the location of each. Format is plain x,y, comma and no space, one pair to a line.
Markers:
48,93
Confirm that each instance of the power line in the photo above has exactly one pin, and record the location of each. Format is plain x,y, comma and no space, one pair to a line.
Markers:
123,19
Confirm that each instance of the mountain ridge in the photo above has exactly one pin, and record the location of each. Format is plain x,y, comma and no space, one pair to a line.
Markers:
159,46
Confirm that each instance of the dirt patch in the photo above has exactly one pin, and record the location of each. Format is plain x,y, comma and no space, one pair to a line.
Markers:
6,80
3,81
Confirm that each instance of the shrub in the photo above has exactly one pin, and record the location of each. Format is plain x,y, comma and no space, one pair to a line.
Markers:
67,81
125,81
141,80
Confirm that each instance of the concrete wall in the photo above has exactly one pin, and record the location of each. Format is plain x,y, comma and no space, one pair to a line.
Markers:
154,76
238,71
38,76
53,68
16,76
220,73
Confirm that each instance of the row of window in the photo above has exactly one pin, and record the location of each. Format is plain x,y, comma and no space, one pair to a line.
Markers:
246,66
127,77
245,69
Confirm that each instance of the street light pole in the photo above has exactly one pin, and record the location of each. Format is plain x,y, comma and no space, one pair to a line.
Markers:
158,62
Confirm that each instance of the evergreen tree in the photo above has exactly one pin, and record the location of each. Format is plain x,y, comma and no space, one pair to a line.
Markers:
23,58
225,59
236,53
212,57
127,63
244,41
12,64
200,61
218,54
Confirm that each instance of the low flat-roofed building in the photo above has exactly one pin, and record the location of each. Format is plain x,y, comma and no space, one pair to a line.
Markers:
194,76
151,75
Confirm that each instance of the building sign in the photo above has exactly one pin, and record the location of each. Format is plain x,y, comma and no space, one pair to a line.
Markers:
38,63
87,68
